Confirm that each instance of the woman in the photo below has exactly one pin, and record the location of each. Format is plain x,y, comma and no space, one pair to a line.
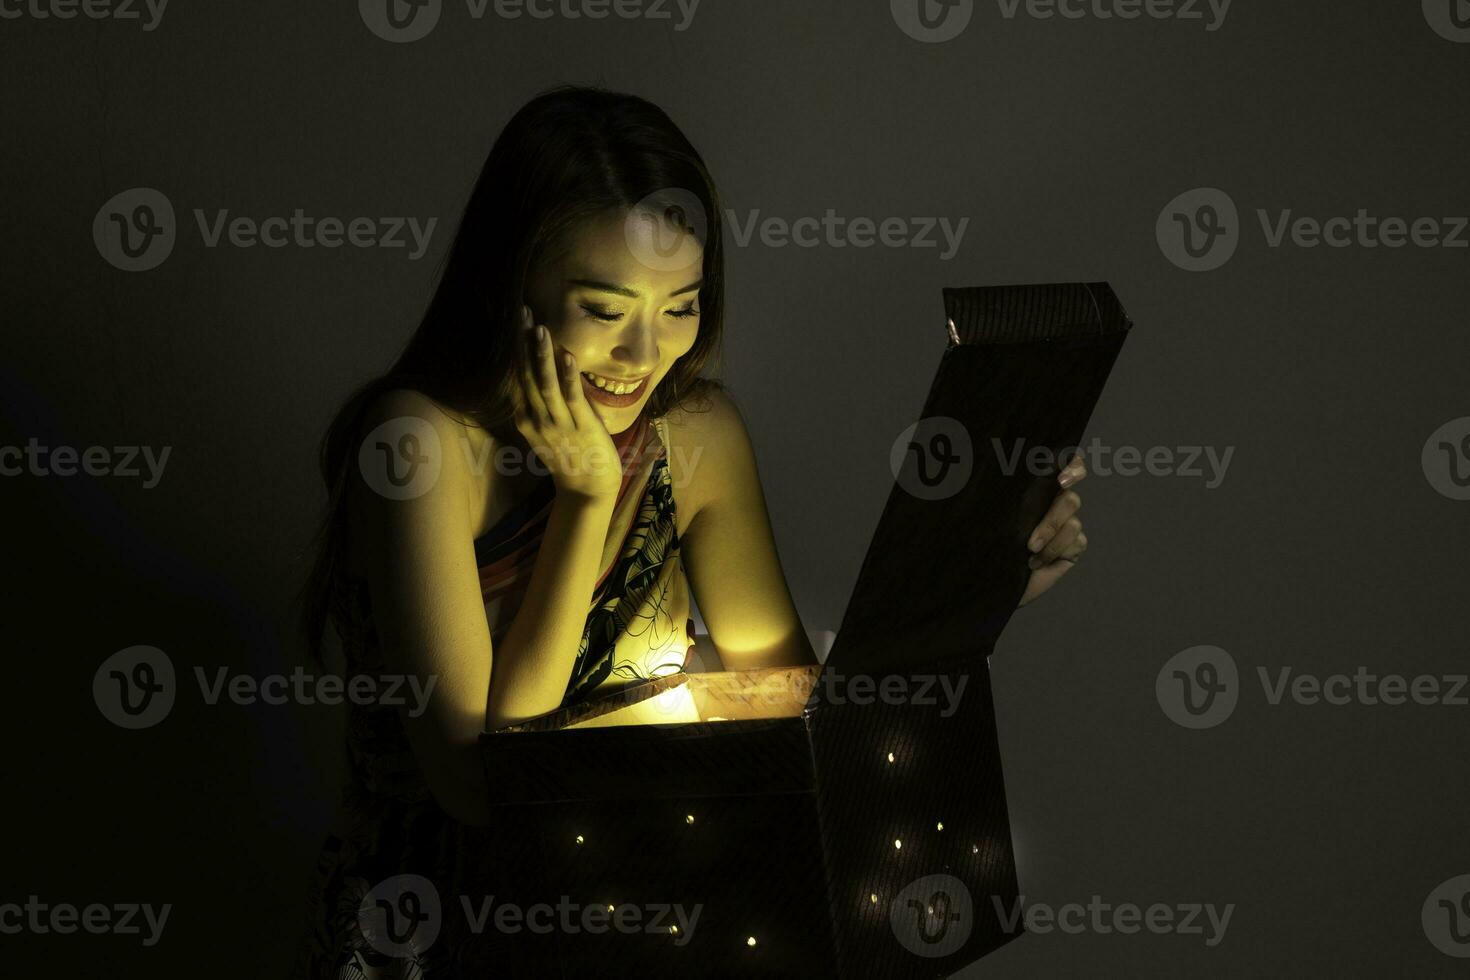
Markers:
515,505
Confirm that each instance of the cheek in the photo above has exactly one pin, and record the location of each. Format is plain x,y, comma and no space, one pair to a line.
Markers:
680,340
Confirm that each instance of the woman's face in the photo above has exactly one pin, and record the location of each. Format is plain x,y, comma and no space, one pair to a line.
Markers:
623,298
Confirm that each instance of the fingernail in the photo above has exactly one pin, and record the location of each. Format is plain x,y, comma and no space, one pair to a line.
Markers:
1033,563
1065,479
541,335
1035,544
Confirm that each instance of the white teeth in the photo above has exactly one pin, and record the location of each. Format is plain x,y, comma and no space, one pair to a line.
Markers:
613,387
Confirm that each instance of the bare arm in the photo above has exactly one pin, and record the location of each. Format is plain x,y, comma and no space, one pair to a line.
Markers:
730,552
534,661
430,615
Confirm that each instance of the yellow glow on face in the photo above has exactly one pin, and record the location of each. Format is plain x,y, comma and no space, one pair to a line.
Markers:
610,333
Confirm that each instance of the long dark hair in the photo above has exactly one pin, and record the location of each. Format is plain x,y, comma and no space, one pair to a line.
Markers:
569,155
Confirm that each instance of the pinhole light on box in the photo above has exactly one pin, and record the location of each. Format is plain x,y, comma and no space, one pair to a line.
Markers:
847,820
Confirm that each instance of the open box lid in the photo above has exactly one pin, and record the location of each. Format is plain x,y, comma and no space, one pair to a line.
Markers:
1016,385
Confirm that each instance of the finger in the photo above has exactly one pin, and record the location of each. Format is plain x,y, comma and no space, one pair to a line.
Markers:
530,391
1062,508
550,380
1044,578
1074,473
1076,549
572,393
1058,544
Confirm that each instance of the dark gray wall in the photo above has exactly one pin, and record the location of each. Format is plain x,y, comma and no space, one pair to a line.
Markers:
1327,547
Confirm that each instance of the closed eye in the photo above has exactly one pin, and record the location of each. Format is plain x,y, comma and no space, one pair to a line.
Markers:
609,316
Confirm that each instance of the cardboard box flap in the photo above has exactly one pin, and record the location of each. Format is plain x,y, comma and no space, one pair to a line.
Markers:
1014,390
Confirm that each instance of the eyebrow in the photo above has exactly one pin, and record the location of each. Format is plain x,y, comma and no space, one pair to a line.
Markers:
608,287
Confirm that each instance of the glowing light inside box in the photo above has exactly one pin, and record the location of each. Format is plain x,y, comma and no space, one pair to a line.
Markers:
873,898
939,825
897,844
689,818
579,838
674,705
750,940
890,757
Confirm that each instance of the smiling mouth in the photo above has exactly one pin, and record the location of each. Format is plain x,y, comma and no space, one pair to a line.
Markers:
613,393
611,385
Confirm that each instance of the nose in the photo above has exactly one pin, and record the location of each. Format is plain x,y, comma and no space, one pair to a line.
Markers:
637,348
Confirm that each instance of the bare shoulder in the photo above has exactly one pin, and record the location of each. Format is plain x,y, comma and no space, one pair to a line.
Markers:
709,448
408,463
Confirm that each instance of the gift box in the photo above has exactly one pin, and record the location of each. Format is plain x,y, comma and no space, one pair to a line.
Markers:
847,820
